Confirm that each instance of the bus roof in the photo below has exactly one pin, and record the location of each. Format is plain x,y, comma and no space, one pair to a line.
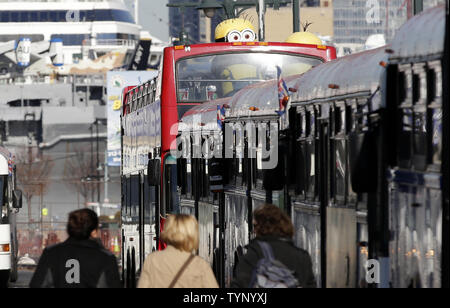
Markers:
325,52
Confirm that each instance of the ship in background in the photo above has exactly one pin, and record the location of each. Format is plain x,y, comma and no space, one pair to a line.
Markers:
54,56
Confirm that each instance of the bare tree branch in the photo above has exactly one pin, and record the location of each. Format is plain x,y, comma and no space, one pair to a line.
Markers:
76,169
33,171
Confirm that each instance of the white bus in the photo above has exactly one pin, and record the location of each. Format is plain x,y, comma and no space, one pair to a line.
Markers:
10,203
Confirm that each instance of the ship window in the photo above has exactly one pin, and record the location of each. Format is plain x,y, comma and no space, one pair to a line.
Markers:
124,16
34,16
16,37
43,16
14,16
24,16
103,15
4,17
53,16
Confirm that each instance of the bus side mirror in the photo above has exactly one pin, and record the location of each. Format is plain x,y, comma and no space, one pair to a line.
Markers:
154,172
17,199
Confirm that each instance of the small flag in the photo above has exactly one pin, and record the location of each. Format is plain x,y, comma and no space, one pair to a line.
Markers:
220,116
283,93
10,165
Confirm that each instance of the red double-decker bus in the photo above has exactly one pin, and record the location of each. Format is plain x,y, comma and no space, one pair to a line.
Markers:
189,76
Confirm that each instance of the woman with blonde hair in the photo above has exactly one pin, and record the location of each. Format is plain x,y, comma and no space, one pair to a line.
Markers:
177,266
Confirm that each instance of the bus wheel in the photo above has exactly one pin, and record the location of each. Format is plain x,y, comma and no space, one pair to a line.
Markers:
128,270
14,275
4,278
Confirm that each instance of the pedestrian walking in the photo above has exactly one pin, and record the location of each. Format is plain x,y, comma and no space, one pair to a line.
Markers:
177,266
272,259
79,262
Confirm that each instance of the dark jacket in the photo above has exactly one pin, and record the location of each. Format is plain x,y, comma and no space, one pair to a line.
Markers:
77,264
284,251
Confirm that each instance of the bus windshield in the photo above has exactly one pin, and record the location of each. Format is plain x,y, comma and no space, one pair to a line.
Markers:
206,78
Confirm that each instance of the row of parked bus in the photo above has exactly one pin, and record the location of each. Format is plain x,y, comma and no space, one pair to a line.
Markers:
354,149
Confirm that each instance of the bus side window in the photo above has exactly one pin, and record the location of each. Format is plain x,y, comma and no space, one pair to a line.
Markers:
332,152
341,153
434,113
405,115
170,183
128,203
189,189
149,202
124,196
311,158
135,195
420,117
182,174
300,148
349,130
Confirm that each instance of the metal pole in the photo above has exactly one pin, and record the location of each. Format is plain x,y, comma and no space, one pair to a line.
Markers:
445,273
98,165
106,175
136,11
296,15
261,13
92,160
42,225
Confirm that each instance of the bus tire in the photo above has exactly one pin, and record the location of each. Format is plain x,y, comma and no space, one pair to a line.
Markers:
4,278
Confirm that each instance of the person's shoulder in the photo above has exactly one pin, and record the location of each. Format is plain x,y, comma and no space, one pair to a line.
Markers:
54,248
106,252
200,261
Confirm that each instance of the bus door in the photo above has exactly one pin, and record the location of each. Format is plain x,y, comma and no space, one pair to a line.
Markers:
339,236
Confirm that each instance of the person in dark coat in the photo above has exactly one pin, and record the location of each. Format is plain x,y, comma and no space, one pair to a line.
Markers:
79,262
273,226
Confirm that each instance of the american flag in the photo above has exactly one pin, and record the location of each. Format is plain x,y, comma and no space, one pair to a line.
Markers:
283,93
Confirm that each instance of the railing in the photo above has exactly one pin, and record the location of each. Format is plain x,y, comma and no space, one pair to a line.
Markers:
95,79
68,1
110,42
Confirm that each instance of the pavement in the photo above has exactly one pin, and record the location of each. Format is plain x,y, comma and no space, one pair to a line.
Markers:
24,278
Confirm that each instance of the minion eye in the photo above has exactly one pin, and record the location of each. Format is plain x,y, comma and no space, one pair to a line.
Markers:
248,35
234,36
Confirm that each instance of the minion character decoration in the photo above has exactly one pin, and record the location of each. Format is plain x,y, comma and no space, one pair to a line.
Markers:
243,70
235,30
300,38
234,68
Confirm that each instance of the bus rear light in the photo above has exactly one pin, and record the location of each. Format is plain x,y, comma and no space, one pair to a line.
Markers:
323,47
4,248
333,86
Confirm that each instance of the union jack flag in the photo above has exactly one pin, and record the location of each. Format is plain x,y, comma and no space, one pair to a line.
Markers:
220,116
283,93
10,165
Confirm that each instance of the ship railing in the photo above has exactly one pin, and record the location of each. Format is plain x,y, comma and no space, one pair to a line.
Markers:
110,42
120,1
94,79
